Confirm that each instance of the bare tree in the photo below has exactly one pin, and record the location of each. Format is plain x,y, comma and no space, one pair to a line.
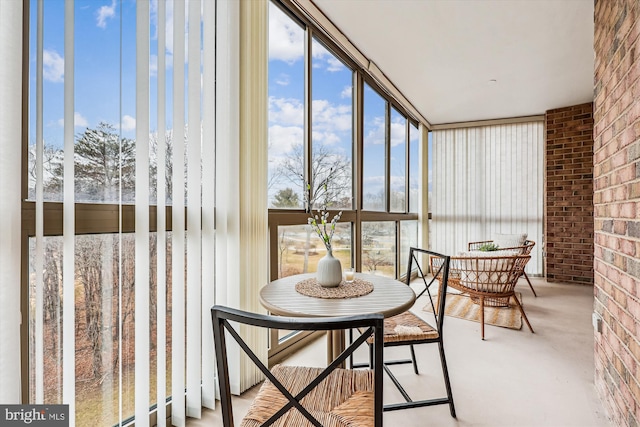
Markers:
372,256
104,165
329,179
285,198
52,160
89,274
330,175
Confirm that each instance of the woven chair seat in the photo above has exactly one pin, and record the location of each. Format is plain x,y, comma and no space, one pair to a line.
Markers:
344,399
407,327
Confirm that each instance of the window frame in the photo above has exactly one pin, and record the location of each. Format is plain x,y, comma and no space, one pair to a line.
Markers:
357,215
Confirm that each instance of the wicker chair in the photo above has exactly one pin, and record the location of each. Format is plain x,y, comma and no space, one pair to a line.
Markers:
303,396
525,249
407,329
488,280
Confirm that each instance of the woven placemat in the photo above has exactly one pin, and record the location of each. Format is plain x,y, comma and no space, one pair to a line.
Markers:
311,288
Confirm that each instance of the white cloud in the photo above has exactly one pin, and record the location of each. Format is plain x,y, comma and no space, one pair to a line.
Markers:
374,181
282,139
286,38
53,66
128,122
347,92
104,13
286,111
329,120
325,138
375,134
283,80
327,116
334,64
153,64
169,29
322,58
397,132
78,121
318,50
397,182
414,134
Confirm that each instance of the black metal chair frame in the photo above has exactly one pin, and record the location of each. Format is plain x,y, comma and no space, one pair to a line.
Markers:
221,316
439,320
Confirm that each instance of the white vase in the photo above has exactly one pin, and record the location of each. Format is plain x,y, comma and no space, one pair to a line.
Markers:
329,273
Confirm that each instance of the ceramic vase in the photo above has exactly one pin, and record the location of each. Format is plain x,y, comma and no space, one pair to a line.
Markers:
329,272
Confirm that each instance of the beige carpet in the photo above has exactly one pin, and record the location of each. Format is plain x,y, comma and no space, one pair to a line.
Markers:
462,307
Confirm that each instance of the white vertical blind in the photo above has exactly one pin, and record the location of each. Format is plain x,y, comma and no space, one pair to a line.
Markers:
178,415
252,176
10,194
487,180
241,162
161,260
208,199
68,212
423,197
194,203
241,170
227,162
39,246
142,217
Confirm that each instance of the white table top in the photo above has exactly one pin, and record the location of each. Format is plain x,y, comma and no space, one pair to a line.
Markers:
389,297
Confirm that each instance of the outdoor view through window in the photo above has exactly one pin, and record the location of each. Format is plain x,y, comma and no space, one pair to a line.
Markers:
329,124
389,156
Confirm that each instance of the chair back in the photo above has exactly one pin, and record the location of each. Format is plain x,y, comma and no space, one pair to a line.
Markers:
488,274
222,316
527,247
419,259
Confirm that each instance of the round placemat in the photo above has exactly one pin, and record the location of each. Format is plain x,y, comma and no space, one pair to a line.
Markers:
311,288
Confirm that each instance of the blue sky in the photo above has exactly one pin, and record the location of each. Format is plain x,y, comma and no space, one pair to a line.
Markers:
331,105
105,69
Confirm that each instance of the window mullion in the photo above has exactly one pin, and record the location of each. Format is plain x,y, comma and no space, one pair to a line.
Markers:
387,156
308,145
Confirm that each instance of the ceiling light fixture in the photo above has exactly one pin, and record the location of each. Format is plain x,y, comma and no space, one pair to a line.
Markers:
493,81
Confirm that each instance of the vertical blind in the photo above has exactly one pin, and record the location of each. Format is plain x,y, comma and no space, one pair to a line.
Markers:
10,194
205,91
185,158
487,180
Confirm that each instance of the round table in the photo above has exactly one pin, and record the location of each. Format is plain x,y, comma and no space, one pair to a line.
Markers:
389,297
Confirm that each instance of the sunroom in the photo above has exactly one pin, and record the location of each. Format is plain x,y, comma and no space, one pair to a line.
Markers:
426,124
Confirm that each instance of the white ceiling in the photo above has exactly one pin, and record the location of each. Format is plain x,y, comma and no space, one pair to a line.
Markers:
442,54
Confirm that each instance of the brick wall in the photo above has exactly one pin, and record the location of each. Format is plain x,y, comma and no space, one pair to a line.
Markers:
569,194
617,207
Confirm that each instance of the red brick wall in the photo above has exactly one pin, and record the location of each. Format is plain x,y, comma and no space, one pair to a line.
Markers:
569,194
617,207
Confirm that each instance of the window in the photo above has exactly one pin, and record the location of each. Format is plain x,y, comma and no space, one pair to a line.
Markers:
331,126
108,328
398,162
414,168
286,111
374,151
331,129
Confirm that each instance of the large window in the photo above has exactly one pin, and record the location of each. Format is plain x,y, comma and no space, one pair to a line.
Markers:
374,182
332,127
110,92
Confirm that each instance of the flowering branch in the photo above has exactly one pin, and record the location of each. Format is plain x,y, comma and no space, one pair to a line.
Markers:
321,225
